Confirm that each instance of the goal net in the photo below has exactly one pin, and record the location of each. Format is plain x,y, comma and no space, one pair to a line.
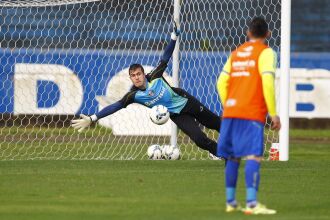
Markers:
61,58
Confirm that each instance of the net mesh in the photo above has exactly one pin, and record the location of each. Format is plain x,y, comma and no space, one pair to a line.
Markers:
63,58
39,3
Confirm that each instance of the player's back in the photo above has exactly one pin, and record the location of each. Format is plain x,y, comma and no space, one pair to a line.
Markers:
245,95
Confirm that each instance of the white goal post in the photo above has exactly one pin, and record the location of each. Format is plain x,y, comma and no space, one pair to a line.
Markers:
61,58
285,79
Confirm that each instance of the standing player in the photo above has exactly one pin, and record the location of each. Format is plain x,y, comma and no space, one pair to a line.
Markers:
246,89
152,89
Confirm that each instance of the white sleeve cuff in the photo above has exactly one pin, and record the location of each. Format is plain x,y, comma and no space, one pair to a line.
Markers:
173,36
93,117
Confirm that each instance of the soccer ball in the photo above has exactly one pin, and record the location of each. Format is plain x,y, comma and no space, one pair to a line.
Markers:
171,152
154,152
159,114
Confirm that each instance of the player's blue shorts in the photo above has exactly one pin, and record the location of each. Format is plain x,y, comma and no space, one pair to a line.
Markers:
240,138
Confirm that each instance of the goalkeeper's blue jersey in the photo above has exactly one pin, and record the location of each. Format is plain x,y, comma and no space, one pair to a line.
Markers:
158,92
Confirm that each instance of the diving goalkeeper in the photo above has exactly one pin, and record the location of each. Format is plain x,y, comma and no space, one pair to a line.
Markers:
152,89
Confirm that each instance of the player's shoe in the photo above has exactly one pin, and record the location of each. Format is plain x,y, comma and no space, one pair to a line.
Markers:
233,208
259,209
213,157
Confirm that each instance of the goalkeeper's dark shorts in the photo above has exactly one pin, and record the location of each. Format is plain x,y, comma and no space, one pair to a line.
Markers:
192,116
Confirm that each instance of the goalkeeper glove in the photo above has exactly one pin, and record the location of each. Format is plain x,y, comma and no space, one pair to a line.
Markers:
176,31
81,123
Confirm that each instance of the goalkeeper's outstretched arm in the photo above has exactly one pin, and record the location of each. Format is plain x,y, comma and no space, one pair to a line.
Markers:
85,120
168,51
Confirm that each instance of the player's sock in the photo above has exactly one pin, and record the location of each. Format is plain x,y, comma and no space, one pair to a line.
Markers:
231,172
252,178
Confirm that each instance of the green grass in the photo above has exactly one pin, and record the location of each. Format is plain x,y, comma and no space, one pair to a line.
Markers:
142,189
26,143
307,133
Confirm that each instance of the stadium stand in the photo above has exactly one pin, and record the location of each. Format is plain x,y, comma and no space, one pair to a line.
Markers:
101,29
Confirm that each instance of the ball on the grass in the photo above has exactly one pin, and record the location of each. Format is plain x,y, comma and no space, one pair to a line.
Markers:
170,152
154,152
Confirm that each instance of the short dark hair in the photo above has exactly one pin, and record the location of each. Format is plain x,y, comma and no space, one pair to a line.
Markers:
135,66
258,27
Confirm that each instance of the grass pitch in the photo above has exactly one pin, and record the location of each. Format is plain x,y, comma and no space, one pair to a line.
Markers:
140,189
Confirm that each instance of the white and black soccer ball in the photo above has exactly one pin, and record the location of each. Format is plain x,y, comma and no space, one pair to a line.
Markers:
154,152
159,114
170,152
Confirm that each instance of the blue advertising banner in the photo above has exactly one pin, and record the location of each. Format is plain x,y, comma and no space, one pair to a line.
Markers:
94,69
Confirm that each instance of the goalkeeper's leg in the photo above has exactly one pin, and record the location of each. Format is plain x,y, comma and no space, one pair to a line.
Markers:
199,111
190,126
204,115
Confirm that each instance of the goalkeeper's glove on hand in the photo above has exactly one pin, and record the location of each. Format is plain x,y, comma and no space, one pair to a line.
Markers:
176,31
81,123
